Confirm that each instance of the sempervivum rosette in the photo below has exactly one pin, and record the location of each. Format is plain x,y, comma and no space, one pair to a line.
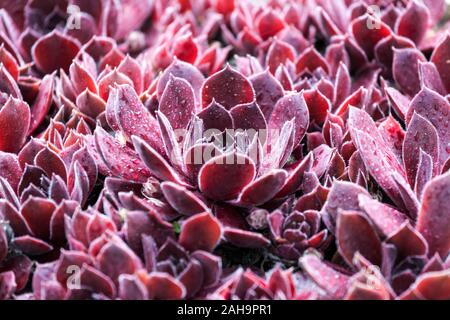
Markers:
222,149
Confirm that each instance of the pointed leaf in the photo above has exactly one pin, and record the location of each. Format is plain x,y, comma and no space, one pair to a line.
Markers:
200,232
224,177
228,87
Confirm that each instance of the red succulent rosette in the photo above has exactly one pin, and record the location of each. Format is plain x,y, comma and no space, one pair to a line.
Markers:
222,149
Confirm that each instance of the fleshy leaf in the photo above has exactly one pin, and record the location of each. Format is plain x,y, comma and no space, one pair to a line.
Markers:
186,71
421,135
332,281
140,223
224,177
318,106
414,21
384,50
398,101
185,48
269,24
343,195
215,117
37,213
132,70
368,31
182,200
354,233
155,162
405,68
424,172
31,246
295,177
55,51
116,258
393,134
310,60
249,117
8,85
343,85
440,57
178,102
430,77
192,278
96,281
200,232
279,52
120,159
14,123
42,103
433,221
228,87
386,219
430,286
111,79
133,118
49,161
408,241
162,286
245,239
7,285
435,109
378,158
291,106
212,266
131,288
81,78
263,189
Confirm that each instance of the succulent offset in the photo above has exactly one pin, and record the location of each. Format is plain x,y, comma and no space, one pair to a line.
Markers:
224,149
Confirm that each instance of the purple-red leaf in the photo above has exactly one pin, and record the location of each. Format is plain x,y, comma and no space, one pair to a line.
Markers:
228,87
178,102
14,123
433,220
435,109
354,233
291,106
224,177
200,232
420,136
440,57
414,22
120,159
332,281
405,69
55,51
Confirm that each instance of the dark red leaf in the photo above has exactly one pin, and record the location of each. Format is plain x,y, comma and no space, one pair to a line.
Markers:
178,102
55,51
291,106
224,177
414,21
433,221
228,87
14,123
405,68
182,200
332,281
310,60
368,31
420,136
440,58
354,233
